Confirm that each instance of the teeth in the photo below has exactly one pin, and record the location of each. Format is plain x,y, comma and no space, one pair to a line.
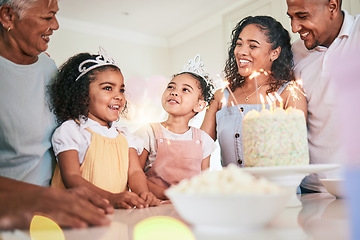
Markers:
304,34
114,107
173,101
244,61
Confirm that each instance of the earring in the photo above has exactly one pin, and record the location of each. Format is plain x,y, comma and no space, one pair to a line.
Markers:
9,29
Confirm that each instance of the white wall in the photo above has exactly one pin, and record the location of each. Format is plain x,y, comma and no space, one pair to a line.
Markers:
209,45
134,59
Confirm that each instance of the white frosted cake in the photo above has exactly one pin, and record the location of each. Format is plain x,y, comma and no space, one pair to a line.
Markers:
275,138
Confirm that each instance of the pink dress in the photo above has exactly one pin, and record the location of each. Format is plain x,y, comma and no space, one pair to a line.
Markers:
175,159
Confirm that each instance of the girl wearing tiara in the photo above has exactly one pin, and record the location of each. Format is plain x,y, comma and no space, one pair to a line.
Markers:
173,150
87,97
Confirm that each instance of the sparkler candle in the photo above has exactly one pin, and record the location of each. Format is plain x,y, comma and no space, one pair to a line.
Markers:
232,94
293,87
279,99
254,75
273,100
262,100
270,103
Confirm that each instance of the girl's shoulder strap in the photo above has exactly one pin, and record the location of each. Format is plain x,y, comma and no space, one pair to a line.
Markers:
78,123
196,133
226,96
156,127
282,87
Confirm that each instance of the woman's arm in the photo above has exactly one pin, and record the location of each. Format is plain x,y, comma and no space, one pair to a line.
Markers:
71,176
137,180
209,123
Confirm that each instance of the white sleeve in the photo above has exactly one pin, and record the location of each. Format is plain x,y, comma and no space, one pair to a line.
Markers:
208,144
67,137
134,141
147,135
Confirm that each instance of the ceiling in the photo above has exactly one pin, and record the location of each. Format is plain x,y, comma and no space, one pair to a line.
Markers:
157,18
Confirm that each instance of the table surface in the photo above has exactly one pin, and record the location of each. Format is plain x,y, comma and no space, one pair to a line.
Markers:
321,216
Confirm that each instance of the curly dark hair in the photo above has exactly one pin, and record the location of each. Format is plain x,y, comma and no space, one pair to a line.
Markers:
69,99
278,36
206,85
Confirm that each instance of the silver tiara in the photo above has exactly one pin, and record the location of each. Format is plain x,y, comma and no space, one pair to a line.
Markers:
102,60
196,66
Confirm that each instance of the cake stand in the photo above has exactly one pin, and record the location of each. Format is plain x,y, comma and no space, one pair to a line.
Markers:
289,177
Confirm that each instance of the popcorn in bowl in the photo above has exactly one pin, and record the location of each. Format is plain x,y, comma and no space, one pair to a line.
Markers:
230,180
227,199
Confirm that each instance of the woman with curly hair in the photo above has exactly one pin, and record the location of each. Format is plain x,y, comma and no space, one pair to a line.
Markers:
262,46
87,97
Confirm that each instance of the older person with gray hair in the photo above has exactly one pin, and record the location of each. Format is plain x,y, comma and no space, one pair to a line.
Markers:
26,124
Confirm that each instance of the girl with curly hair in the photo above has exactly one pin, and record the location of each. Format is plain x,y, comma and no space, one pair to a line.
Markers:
173,150
259,45
87,97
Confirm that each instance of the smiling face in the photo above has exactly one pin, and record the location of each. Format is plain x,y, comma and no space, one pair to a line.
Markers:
253,52
312,20
31,33
182,97
106,95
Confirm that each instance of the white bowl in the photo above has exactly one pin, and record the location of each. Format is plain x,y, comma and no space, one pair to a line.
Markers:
334,187
227,211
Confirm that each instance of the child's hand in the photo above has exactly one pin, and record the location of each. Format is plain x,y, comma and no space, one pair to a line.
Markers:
150,199
126,200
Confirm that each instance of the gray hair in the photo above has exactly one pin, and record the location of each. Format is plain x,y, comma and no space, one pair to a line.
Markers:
19,6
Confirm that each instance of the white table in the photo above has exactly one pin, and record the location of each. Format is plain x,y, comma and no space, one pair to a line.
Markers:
321,217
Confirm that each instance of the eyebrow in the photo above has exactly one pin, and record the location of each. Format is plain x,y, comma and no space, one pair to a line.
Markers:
298,13
189,86
173,83
251,40
110,83
104,83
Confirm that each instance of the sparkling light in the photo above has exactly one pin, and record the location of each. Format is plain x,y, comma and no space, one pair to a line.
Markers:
162,228
43,228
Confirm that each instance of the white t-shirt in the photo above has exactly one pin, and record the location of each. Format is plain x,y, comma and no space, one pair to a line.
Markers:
72,136
316,68
148,136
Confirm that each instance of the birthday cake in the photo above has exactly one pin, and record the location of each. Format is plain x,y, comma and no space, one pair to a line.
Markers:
275,138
